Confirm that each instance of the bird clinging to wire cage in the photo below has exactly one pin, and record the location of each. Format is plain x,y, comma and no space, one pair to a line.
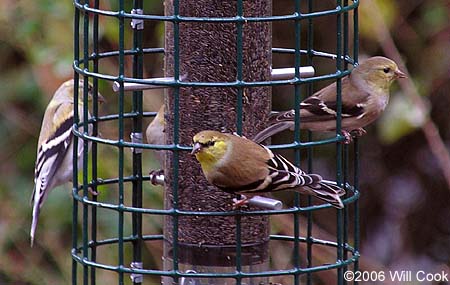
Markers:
365,94
155,135
54,159
240,166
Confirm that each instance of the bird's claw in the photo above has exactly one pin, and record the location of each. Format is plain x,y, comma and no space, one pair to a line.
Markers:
92,191
352,134
237,203
348,137
358,132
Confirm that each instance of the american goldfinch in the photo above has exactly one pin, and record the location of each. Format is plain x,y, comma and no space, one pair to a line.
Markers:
54,153
240,166
155,133
365,94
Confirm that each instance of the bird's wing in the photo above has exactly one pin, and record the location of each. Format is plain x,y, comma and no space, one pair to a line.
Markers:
51,153
279,174
322,106
316,110
286,175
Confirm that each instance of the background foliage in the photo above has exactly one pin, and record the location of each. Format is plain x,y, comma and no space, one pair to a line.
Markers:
404,205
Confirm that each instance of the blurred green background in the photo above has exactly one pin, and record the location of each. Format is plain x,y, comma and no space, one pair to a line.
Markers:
405,217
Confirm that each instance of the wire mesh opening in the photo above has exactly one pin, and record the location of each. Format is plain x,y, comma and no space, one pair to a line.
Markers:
133,254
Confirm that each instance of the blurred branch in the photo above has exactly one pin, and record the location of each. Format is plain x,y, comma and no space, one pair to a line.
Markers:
429,128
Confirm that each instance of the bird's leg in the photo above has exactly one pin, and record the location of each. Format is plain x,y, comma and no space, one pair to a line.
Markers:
241,202
154,176
358,132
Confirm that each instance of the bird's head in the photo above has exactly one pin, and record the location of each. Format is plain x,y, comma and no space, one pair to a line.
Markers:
209,147
90,93
66,92
379,71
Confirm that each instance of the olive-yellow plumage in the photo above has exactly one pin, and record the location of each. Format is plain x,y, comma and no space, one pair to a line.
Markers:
238,165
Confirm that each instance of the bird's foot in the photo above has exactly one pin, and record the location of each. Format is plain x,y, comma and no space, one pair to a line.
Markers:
92,191
155,176
352,134
348,137
358,132
237,203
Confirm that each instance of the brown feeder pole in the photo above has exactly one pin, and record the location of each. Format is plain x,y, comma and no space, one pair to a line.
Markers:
208,53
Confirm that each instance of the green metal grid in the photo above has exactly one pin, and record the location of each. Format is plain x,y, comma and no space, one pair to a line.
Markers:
86,66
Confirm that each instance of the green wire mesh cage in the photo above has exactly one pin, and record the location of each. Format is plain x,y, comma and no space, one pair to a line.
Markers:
218,75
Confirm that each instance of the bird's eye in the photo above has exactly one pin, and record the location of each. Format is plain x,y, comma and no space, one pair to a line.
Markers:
386,70
210,143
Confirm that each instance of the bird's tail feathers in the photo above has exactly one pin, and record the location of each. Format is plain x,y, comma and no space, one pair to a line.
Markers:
32,194
328,192
272,130
36,200
333,187
34,221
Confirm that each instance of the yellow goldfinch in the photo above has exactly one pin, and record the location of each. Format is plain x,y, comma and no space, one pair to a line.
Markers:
238,165
365,94
54,153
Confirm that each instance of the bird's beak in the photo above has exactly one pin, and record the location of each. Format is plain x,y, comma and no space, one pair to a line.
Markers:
196,148
100,98
399,74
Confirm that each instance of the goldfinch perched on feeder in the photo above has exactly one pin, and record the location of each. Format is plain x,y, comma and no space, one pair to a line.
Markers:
365,94
54,153
239,166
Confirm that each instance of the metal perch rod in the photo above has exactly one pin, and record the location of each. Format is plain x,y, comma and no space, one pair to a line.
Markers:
276,74
259,201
